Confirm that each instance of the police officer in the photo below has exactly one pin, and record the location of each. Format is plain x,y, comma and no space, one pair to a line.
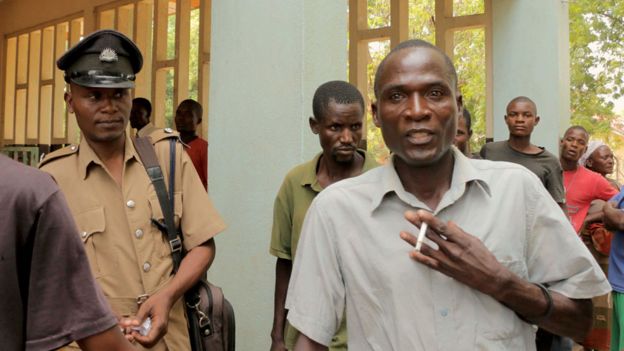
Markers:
113,201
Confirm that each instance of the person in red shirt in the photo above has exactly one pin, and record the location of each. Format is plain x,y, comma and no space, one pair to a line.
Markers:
582,185
188,117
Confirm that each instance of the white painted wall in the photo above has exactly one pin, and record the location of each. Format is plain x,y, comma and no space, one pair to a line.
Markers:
268,57
531,58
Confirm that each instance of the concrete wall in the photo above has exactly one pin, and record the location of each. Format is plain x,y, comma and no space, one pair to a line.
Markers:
268,57
531,57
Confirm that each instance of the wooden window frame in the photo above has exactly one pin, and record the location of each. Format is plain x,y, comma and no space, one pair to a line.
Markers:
56,82
398,30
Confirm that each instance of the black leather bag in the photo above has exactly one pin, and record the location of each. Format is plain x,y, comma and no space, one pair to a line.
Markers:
210,315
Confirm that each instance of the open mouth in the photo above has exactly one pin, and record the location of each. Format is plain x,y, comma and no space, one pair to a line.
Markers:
571,153
419,136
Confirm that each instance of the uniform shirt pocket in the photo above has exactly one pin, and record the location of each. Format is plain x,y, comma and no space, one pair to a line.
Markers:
100,251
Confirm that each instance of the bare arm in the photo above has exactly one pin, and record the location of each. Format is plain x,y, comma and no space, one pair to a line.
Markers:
569,317
466,259
109,340
306,344
613,218
594,214
283,269
157,306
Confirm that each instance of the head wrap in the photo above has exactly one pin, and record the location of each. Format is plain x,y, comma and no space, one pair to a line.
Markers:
591,147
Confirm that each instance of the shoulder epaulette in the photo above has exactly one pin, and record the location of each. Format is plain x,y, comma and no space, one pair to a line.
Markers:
162,134
66,151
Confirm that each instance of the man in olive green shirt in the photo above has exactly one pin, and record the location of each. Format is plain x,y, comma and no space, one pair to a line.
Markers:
338,109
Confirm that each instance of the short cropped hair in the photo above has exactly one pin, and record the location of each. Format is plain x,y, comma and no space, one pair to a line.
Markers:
416,43
577,127
143,102
195,106
338,91
523,99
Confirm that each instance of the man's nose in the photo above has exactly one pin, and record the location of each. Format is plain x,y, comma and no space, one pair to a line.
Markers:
417,107
110,104
346,136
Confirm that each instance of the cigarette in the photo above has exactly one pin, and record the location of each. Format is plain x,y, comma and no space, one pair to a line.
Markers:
421,236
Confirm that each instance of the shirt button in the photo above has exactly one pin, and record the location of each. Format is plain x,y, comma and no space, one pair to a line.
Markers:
83,234
138,233
146,266
130,204
444,312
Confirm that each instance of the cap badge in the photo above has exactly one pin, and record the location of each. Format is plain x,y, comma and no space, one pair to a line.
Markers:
108,55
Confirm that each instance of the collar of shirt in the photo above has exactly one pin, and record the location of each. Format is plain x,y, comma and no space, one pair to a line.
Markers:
309,177
86,156
464,172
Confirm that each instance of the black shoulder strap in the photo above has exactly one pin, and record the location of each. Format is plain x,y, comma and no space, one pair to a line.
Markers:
146,152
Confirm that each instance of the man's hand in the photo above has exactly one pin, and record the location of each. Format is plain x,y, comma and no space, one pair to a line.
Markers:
125,325
157,307
465,258
612,217
460,256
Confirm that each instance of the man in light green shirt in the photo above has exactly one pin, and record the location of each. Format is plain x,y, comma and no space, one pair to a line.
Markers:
338,109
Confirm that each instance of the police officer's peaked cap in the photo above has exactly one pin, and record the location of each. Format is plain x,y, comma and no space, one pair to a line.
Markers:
103,59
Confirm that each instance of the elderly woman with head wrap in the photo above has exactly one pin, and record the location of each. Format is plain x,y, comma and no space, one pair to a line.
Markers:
598,158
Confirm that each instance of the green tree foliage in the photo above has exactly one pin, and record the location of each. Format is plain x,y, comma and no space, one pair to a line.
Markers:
469,60
596,64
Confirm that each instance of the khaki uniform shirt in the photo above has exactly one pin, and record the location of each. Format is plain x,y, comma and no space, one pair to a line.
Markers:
299,188
128,254
351,251
147,130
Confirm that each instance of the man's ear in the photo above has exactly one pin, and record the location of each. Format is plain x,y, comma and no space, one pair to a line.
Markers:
589,163
68,101
314,125
537,119
376,118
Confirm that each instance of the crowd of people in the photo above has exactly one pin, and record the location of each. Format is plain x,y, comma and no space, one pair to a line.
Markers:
438,249
577,181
